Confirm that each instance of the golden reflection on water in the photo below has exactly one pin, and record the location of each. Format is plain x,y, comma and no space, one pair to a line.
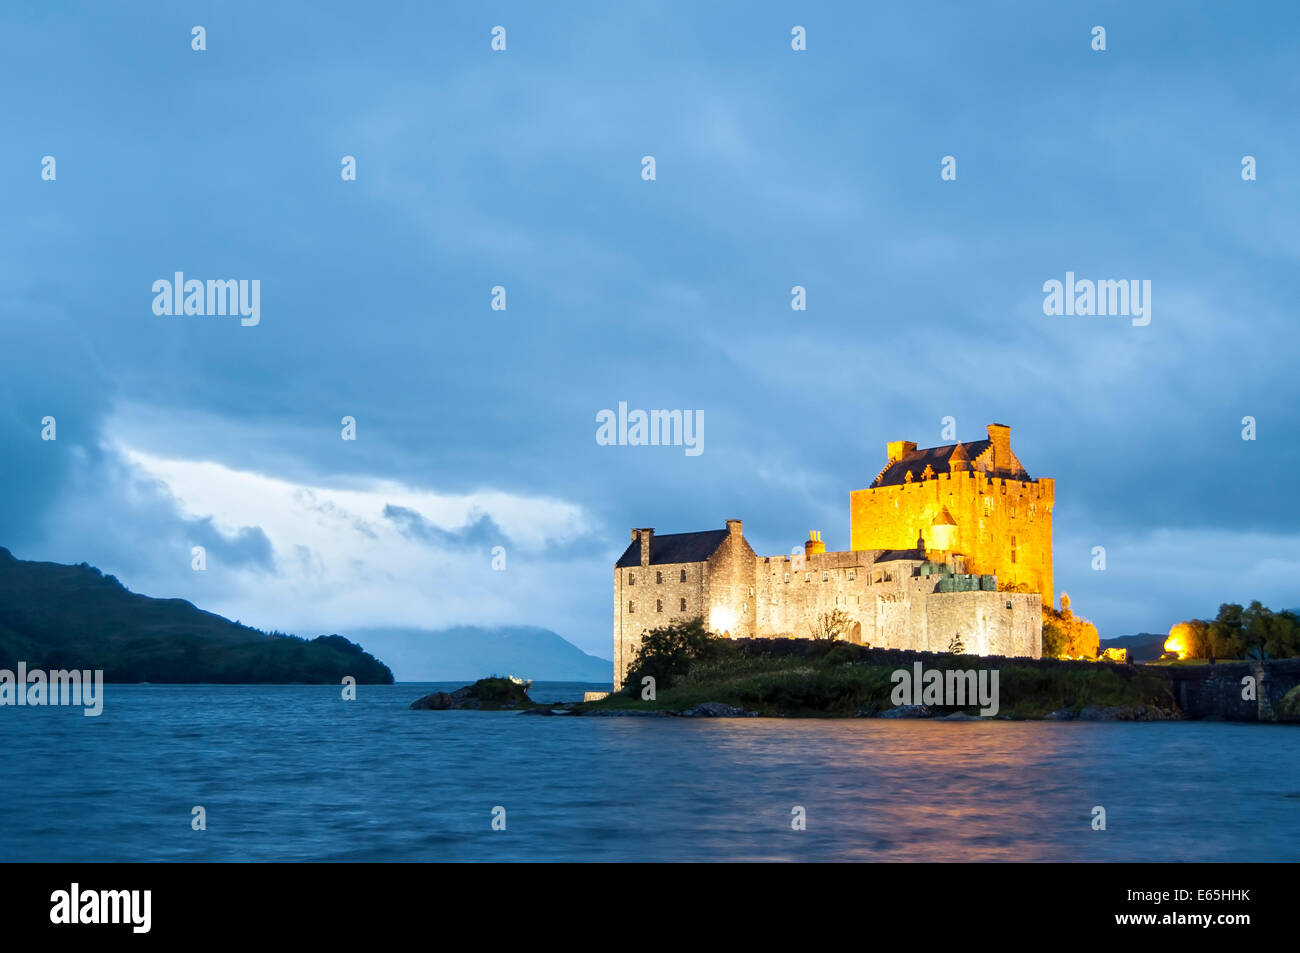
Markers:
933,791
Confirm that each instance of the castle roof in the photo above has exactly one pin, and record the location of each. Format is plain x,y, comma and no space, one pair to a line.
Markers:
889,555
977,452
674,548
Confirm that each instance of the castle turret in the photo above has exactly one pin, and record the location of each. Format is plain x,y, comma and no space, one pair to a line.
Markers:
943,532
960,459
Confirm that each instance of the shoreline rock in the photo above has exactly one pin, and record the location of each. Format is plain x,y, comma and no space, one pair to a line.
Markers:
490,694
717,710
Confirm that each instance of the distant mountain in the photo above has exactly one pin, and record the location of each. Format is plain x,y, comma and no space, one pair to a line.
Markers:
1142,647
469,652
61,617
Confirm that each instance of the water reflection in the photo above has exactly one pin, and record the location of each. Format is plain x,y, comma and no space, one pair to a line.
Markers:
294,773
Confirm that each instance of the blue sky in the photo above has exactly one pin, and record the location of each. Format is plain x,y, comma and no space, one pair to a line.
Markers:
476,428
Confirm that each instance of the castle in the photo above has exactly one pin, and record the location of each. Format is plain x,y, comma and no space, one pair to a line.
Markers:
951,542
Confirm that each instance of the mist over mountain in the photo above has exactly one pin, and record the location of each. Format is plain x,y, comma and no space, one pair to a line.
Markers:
471,652
54,616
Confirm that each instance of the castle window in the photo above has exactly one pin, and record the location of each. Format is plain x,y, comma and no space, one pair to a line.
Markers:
683,575
853,574
787,577
825,576
631,579
659,577
683,605
807,577
751,590
659,605
631,608
1008,603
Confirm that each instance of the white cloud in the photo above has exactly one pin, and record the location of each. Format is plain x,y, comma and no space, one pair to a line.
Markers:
340,563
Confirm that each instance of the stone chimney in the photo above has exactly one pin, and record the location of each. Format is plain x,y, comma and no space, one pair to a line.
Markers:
644,535
1000,438
814,544
898,449
734,528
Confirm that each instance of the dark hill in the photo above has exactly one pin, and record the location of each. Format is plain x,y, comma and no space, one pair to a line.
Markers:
56,617
1142,647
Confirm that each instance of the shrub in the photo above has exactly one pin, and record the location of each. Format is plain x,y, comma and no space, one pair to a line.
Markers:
841,653
667,654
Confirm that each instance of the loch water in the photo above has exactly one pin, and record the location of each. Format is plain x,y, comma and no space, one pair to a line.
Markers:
298,773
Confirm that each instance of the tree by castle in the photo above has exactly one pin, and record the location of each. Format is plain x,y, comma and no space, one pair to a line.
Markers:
1235,633
1066,635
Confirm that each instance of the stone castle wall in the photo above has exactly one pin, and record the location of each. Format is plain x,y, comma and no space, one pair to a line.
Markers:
891,606
746,596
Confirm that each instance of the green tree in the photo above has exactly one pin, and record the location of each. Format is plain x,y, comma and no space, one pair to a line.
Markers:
1227,635
668,652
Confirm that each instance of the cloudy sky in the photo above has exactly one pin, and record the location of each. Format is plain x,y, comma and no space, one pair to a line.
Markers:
523,169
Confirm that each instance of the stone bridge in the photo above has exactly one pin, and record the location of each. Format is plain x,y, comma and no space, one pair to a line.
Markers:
1215,691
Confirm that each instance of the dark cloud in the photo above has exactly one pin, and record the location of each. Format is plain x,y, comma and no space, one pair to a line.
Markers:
924,297
479,533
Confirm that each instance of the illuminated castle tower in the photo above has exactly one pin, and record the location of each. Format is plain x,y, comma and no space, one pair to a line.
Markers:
973,499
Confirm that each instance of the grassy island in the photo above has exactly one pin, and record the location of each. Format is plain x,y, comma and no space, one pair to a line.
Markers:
824,678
